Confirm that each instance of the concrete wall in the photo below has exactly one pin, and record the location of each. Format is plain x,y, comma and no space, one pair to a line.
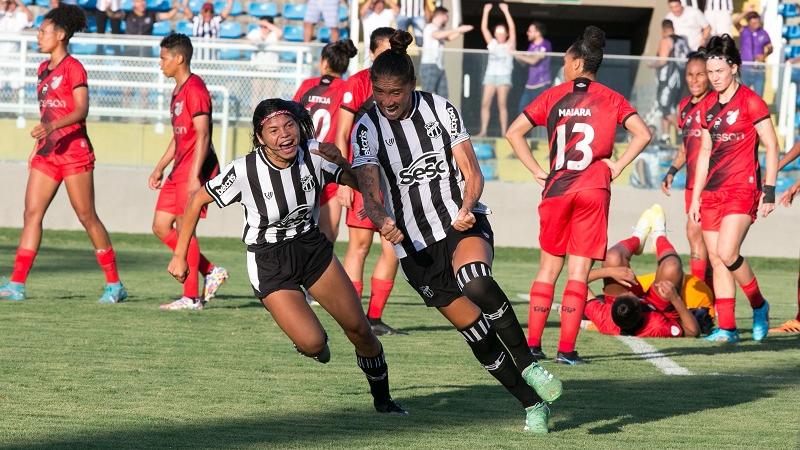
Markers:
125,204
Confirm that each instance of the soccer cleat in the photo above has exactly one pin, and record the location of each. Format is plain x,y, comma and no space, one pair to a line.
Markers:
642,229
724,336
13,291
381,329
390,407
537,353
658,222
536,418
543,382
183,303
761,322
213,281
113,293
569,358
790,326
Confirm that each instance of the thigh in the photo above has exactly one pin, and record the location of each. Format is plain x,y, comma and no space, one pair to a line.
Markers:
588,225
502,92
80,189
554,220
461,312
330,12
488,93
294,316
39,192
550,266
335,292
732,231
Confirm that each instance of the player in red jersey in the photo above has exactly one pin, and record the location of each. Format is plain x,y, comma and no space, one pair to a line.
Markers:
581,116
691,131
322,96
728,193
62,153
193,163
357,99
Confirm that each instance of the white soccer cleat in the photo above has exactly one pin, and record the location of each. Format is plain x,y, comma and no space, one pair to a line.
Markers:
642,229
658,224
183,303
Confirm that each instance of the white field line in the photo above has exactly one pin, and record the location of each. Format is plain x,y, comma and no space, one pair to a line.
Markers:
653,356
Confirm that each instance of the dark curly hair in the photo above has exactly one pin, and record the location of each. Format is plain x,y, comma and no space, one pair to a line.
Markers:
589,48
378,35
296,110
722,47
626,313
395,62
180,44
338,55
68,18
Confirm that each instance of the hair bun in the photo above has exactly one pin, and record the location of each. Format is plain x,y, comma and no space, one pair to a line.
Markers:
594,37
400,41
347,47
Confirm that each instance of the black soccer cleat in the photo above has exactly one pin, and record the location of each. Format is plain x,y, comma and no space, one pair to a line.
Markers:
537,353
569,358
390,407
380,329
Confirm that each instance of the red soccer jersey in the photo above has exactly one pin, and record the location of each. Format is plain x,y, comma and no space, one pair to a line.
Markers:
581,119
734,149
657,322
322,96
691,131
54,91
191,100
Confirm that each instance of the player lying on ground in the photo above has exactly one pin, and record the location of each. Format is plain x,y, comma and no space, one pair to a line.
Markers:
279,184
414,145
62,153
628,308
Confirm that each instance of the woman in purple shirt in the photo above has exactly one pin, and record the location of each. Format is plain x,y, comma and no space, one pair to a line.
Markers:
539,77
755,46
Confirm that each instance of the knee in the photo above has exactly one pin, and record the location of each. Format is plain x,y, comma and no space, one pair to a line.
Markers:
160,230
728,256
614,258
313,346
359,248
87,217
32,216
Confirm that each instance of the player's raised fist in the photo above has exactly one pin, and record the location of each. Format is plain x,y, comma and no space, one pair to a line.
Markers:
390,231
464,221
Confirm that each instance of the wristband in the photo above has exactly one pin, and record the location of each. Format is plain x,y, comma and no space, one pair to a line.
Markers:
769,194
672,170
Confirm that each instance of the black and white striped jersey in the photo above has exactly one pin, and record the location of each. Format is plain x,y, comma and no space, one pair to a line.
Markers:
279,204
421,183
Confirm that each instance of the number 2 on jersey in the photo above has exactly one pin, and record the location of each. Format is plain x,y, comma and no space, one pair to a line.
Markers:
582,146
322,123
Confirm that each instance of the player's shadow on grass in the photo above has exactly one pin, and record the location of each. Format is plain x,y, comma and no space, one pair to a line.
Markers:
601,405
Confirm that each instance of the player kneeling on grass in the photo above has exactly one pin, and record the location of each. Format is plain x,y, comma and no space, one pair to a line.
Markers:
658,310
279,184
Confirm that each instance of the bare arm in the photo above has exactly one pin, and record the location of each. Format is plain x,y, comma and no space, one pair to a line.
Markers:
202,146
530,58
365,8
687,320
639,140
169,14
226,11
677,162
700,174
790,156
332,154
80,95
28,13
467,163
766,133
154,181
664,47
187,12
706,33
623,275
487,35
512,27
516,137
449,35
178,267
346,119
368,181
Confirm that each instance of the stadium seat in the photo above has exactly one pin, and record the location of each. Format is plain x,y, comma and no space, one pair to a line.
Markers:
162,28
287,57
230,53
325,34
679,180
293,33
791,51
195,5
489,171
257,9
236,9
783,183
230,30
37,22
344,13
789,10
184,27
27,2
126,5
294,12
791,32
252,27
159,5
91,24
483,151
83,49
87,4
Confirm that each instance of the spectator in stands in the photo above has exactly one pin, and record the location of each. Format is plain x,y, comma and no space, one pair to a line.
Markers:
16,17
106,10
321,9
755,46
689,22
718,14
139,22
499,65
207,25
413,13
376,14
669,75
539,77
432,74
266,33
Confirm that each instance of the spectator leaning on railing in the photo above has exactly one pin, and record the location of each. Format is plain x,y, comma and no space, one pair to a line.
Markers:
755,46
539,77
689,22
140,21
266,33
16,17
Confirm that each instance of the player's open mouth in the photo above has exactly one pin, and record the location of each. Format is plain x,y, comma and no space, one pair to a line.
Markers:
287,146
392,109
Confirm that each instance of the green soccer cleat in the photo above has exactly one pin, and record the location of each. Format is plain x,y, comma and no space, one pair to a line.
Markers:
543,382
536,418
113,293
13,291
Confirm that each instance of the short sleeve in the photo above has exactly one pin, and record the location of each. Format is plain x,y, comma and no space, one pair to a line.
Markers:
757,109
536,111
355,94
77,76
363,141
624,110
662,327
225,188
458,132
198,102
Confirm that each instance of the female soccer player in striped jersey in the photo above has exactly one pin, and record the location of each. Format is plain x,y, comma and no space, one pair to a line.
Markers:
322,96
357,99
689,123
62,153
279,184
414,145
728,192
581,116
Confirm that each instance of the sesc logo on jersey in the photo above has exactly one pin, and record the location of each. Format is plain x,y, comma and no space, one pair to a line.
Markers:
426,168
300,215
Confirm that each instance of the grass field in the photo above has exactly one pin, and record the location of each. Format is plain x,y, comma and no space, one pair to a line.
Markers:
74,373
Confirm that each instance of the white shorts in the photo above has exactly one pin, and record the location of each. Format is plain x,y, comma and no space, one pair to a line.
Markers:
720,22
326,9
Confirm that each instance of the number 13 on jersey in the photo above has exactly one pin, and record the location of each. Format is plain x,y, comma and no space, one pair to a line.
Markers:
583,146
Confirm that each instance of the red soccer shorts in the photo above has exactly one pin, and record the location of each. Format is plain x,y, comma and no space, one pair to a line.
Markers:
353,220
575,224
59,166
174,197
328,192
715,205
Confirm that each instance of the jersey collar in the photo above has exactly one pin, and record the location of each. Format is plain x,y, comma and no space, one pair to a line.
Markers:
416,97
263,155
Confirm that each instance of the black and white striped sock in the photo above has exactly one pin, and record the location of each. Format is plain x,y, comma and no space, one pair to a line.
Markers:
377,372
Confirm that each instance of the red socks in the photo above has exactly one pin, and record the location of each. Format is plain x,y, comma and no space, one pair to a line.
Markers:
753,293
726,316
359,285
107,260
22,265
631,244
190,288
379,294
663,246
572,305
541,299
171,240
